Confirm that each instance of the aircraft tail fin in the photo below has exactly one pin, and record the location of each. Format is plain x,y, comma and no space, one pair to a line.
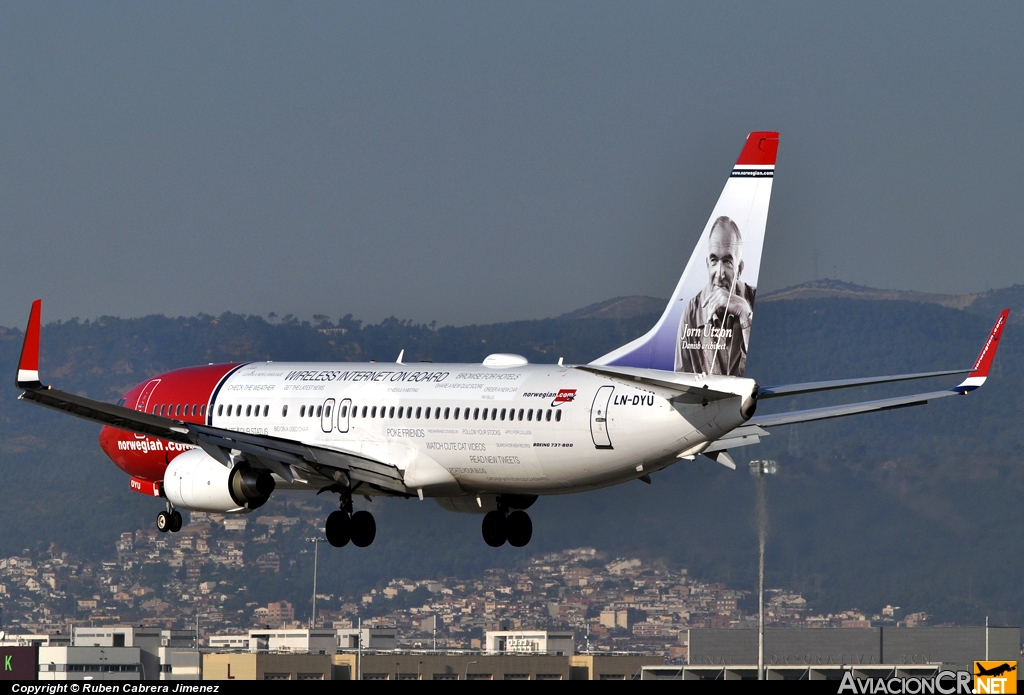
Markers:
706,326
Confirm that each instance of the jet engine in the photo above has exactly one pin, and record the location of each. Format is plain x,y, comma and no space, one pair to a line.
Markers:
195,480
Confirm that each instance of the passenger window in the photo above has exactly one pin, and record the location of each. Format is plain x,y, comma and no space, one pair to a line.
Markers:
520,415
548,416
266,410
503,414
202,410
319,410
284,411
529,414
302,411
364,411
401,411
220,410
446,412
391,411
344,411
248,411
373,413
426,414
476,413
494,413
558,416
437,413
327,411
156,410
456,413
121,402
419,411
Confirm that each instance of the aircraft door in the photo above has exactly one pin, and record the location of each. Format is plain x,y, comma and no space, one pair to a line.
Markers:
343,415
599,418
326,423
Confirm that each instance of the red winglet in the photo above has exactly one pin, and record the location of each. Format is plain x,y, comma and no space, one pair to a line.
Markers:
28,365
988,352
760,149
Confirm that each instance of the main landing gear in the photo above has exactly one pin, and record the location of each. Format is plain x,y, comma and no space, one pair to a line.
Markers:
343,526
500,526
169,520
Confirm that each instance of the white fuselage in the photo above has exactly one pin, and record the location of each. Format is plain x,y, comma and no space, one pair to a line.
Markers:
531,429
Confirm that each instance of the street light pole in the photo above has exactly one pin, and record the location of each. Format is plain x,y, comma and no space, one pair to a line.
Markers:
759,469
316,541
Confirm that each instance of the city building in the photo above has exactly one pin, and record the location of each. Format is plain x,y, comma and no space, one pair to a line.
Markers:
529,642
149,641
948,647
93,663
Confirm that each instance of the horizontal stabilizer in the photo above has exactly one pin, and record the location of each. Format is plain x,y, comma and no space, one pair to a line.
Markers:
850,409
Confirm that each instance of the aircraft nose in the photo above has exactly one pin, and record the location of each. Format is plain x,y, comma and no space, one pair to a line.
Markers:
108,439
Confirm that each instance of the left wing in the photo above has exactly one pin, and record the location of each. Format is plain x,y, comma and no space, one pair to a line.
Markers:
976,377
287,458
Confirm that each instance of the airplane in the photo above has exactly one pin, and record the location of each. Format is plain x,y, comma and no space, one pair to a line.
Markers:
485,438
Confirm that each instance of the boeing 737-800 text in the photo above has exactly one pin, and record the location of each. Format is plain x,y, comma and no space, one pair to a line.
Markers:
485,438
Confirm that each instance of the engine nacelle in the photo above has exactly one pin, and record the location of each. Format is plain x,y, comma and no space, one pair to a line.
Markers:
195,480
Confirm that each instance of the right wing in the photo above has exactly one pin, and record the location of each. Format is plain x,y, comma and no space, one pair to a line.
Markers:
976,377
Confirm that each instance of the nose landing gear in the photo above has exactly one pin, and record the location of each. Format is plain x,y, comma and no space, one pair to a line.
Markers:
343,526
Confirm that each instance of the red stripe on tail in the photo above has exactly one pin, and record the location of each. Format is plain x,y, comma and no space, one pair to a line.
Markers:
760,149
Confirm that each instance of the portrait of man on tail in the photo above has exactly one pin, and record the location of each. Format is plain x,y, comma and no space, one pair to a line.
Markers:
715,328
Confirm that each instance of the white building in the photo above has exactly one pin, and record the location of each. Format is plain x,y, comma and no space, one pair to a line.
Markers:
529,642
303,641
57,640
159,649
91,663
380,639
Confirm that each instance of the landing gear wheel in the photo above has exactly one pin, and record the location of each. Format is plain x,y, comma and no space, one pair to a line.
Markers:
494,529
175,521
163,522
364,529
338,529
520,528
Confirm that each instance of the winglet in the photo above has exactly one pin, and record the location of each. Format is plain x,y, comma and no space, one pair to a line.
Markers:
984,362
28,365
